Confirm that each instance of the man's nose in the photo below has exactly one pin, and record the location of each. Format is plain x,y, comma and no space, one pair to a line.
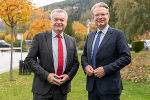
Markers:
58,21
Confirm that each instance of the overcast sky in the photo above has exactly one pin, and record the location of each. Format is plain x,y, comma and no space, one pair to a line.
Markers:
39,3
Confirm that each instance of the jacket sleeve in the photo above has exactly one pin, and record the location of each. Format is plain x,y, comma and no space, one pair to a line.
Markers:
84,57
32,59
75,64
124,56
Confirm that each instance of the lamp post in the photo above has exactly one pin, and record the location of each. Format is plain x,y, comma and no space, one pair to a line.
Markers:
88,26
20,37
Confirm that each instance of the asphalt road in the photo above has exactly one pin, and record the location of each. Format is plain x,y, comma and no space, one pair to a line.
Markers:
5,60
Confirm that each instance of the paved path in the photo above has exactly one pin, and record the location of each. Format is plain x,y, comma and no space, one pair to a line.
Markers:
5,60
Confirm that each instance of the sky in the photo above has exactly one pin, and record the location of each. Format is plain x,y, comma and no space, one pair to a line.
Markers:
39,3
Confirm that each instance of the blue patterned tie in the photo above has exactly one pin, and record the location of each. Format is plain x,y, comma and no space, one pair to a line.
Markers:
95,49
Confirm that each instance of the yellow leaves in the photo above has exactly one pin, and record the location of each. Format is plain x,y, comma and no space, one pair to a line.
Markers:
8,38
25,34
15,10
1,35
79,28
92,27
40,23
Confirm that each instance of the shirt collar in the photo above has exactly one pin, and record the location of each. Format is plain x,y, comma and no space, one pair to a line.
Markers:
54,34
104,31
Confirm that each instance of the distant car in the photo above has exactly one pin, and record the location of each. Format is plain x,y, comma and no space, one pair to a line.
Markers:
146,44
28,42
130,46
4,44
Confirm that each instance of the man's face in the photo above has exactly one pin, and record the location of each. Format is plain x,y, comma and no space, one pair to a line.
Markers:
101,17
58,22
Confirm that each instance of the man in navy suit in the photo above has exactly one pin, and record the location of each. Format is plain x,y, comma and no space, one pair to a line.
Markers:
105,53
54,60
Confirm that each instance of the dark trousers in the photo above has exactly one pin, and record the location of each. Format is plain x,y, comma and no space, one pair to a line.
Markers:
94,95
54,94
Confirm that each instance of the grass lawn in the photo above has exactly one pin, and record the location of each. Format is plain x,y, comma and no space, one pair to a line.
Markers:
20,89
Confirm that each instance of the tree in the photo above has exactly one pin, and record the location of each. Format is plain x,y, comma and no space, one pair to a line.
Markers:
79,28
133,17
14,12
8,38
69,29
112,14
40,22
93,27
80,31
2,36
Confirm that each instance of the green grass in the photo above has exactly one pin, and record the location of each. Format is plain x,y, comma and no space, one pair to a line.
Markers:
135,91
20,89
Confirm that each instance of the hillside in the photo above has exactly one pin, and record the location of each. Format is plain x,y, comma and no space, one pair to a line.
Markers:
78,10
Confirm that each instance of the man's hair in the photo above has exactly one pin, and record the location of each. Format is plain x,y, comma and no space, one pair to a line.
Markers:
100,4
60,11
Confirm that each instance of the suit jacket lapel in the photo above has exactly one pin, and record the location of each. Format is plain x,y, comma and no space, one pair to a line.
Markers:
49,45
67,47
106,38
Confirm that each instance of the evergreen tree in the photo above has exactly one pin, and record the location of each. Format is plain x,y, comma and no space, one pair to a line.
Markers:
69,29
112,14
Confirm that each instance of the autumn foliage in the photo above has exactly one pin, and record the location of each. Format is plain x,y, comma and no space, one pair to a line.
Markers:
25,35
142,37
92,27
8,38
15,11
1,35
40,22
79,28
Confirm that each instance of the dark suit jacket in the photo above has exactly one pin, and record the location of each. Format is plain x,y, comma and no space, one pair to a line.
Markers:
113,54
42,49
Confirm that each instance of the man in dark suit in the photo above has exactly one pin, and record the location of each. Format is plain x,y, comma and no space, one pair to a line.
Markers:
105,53
57,61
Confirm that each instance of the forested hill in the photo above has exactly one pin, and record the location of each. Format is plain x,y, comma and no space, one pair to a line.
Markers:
78,10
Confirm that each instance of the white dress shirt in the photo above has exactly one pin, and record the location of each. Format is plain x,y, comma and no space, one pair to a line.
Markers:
104,31
55,50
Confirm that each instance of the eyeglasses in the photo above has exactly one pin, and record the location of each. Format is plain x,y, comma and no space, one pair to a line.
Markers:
102,15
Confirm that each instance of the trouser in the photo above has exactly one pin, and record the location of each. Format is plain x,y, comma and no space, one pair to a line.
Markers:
94,95
54,94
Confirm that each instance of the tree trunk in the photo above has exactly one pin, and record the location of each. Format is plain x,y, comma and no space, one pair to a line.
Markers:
11,58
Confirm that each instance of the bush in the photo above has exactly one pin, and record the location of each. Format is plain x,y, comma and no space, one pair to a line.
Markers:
79,37
137,46
139,69
17,43
25,47
81,45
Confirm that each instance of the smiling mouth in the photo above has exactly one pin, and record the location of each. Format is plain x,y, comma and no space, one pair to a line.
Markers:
58,26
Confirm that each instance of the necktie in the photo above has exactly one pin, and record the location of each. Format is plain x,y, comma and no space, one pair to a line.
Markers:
95,49
60,56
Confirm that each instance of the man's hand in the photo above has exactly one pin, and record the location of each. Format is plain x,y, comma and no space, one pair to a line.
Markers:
89,70
99,72
54,79
64,78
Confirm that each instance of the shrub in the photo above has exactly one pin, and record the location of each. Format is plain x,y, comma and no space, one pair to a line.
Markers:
81,45
25,47
137,46
139,69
